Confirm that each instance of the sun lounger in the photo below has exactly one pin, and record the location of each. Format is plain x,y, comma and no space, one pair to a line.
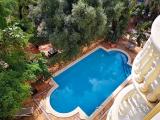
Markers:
25,112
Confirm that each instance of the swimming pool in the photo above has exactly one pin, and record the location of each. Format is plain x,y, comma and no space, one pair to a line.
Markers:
89,82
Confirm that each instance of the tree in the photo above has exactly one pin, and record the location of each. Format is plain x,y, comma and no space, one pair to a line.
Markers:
12,39
118,13
23,7
13,92
14,79
145,13
6,9
71,31
154,6
14,88
94,3
55,11
23,14
83,18
50,8
16,68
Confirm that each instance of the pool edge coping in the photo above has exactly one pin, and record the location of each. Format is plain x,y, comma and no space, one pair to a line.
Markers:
78,109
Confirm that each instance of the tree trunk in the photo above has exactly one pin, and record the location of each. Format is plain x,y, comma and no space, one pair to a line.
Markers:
20,12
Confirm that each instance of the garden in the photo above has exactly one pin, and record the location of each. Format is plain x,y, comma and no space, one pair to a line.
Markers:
69,26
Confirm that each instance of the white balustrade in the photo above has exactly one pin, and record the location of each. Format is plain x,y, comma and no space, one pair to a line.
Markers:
145,49
152,53
129,103
148,43
153,96
147,54
141,67
154,84
145,69
158,80
151,76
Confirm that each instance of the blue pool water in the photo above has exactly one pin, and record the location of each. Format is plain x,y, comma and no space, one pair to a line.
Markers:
89,82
